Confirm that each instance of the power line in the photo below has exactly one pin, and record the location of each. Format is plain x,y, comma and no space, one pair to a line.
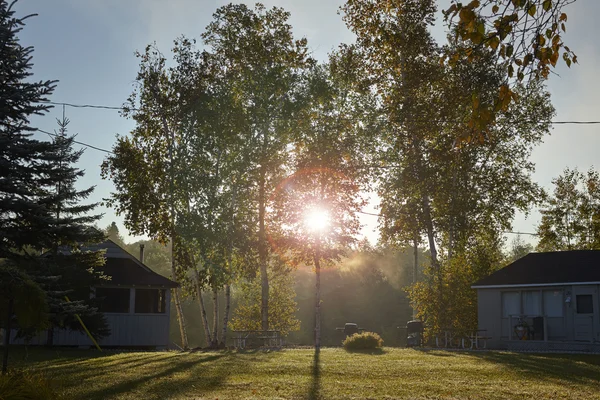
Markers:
103,107
88,106
75,141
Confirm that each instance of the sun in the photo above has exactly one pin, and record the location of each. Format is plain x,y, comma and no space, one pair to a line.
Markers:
316,220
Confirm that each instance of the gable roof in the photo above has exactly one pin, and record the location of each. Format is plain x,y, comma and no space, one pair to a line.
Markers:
125,269
547,269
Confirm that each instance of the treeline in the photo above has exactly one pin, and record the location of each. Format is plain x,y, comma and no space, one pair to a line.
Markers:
252,158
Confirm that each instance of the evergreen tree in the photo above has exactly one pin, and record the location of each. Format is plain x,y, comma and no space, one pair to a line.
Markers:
112,233
68,269
22,169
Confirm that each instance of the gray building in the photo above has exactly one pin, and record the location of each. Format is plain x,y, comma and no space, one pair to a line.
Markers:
135,302
543,301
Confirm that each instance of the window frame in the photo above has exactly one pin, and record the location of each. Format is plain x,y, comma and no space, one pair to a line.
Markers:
162,303
95,293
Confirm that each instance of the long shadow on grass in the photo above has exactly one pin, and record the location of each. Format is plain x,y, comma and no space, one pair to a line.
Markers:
314,391
157,381
578,368
193,375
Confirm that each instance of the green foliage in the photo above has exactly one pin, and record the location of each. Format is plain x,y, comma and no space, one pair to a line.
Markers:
30,307
526,36
282,303
571,215
518,248
364,288
22,218
448,288
27,385
363,341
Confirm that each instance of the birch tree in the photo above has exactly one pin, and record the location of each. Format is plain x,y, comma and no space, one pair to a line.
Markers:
257,52
319,201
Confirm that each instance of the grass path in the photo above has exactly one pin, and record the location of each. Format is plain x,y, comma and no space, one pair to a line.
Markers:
334,374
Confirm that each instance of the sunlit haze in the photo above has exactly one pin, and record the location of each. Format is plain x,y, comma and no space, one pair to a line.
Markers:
316,220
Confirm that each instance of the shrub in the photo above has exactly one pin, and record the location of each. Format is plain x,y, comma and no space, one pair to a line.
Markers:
25,385
363,341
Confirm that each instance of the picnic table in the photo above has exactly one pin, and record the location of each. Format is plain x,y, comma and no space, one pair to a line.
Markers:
456,338
246,339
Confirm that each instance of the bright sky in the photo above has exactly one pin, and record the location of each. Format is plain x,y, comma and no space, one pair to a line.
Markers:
88,46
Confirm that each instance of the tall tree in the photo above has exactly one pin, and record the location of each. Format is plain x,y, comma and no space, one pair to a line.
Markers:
67,268
39,208
144,166
21,156
434,185
263,60
319,201
571,215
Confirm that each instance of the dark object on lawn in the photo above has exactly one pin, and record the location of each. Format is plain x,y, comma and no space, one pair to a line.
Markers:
414,333
350,329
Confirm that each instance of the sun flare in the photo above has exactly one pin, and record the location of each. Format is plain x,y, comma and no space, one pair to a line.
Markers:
316,220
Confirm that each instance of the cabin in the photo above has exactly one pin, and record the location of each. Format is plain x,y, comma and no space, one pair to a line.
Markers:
543,301
136,305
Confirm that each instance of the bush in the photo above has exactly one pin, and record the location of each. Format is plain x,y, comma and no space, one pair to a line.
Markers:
25,385
363,341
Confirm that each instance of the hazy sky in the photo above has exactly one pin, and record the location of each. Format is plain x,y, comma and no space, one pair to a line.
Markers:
88,46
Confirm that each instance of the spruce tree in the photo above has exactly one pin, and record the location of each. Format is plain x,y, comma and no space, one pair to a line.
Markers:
69,269
22,170
22,167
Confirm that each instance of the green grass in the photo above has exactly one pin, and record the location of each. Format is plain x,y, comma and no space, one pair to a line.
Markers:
299,374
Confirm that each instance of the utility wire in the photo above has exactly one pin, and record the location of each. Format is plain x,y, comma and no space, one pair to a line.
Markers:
87,106
75,141
360,212
135,109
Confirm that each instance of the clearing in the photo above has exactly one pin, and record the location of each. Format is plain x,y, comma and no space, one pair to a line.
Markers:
298,374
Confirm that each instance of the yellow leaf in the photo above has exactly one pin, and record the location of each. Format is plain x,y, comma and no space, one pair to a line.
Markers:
531,10
495,9
563,17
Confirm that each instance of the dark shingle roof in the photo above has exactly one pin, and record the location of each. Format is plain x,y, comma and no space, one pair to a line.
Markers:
577,266
125,269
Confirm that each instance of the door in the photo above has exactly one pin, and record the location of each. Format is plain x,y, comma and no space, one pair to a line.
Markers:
586,312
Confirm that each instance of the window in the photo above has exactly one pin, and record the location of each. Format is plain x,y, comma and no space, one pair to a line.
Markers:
150,301
510,304
553,303
585,304
113,300
532,303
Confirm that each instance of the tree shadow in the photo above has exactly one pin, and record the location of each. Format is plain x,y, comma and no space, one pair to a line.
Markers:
579,368
435,352
161,381
314,392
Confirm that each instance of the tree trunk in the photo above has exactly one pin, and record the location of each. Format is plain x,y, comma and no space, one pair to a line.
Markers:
177,301
215,336
262,252
6,343
207,334
226,315
317,261
415,268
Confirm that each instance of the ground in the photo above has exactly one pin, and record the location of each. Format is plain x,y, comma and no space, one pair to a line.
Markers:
299,374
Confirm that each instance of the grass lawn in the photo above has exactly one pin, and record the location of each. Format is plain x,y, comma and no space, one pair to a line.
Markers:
298,374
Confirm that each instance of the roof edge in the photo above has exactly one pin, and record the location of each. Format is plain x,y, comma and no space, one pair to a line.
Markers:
518,285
